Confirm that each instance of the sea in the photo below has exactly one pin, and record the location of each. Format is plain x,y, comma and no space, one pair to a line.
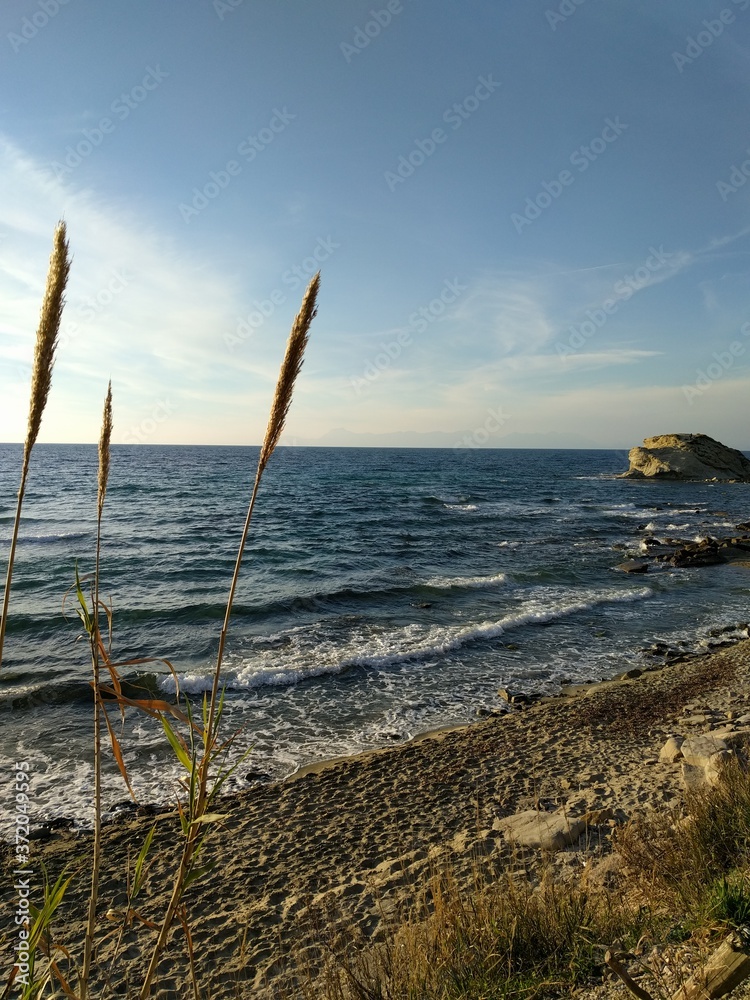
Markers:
383,593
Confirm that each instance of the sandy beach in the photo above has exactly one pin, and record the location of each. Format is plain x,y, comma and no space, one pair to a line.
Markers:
353,838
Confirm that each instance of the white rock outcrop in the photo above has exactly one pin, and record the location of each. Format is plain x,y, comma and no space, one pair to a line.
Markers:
686,456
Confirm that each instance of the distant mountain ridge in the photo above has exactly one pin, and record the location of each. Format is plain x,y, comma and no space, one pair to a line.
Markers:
341,438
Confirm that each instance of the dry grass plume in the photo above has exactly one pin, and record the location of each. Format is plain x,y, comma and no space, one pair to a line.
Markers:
290,369
104,450
41,380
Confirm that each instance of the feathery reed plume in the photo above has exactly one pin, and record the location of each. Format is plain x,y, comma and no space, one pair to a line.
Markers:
282,400
104,442
94,638
194,825
290,369
41,379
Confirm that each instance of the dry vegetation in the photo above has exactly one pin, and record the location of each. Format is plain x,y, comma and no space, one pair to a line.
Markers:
679,882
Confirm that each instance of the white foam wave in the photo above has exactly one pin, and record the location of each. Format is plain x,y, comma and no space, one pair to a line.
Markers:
461,506
448,639
459,582
254,676
309,656
624,510
630,510
676,527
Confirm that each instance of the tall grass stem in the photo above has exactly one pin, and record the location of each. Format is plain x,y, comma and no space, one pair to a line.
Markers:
41,380
94,639
290,369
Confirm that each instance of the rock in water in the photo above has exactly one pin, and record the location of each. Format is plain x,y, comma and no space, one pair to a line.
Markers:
633,566
687,456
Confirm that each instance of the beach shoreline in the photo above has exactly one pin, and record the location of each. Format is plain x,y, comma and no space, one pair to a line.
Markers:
567,691
358,836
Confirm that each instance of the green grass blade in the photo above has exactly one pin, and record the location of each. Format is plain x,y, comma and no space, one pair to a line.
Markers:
176,744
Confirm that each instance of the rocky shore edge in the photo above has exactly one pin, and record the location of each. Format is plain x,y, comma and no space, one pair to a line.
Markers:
683,553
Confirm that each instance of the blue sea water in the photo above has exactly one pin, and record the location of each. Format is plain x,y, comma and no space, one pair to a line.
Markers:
383,592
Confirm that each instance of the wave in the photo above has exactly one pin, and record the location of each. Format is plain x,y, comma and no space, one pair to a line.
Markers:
457,498
312,600
461,582
46,539
412,643
31,693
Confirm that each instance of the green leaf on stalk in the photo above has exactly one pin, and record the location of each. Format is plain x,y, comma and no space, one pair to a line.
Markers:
141,860
83,612
209,818
222,776
177,746
198,872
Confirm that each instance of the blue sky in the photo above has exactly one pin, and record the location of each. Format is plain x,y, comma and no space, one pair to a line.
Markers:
531,217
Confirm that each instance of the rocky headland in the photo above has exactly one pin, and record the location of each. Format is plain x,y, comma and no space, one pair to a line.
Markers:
687,456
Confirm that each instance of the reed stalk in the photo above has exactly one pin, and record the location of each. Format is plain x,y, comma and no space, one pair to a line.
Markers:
94,639
41,379
290,369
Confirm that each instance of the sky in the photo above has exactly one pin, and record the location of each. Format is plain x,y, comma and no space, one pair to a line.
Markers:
531,217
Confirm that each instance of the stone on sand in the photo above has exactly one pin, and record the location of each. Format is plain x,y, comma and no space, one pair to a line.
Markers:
704,758
672,750
547,831
698,750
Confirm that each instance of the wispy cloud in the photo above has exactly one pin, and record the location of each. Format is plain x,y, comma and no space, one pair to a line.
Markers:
138,307
503,314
